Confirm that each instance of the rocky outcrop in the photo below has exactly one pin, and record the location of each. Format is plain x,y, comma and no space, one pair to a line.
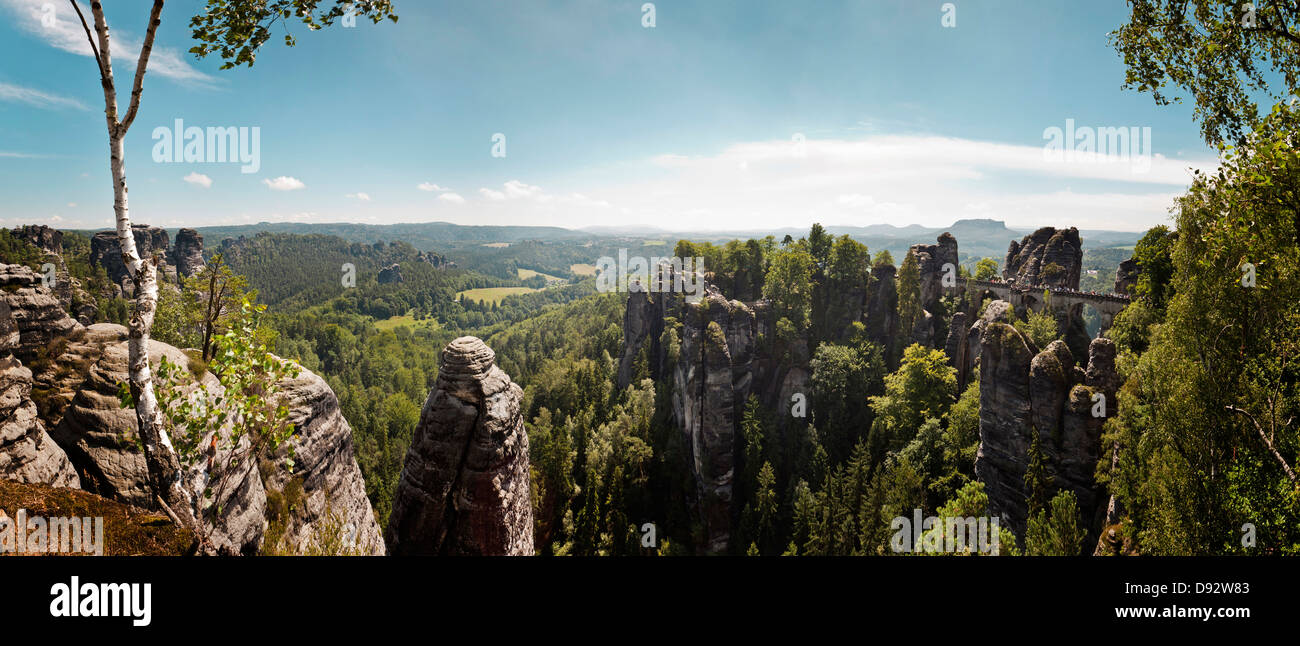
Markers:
187,253
1126,276
465,487
27,454
101,439
1005,425
956,347
41,237
704,405
931,261
106,252
74,377
437,260
1023,392
882,306
1047,256
998,311
334,493
390,274
641,321
35,309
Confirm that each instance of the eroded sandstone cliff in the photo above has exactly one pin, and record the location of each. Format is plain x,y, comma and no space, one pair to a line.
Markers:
464,489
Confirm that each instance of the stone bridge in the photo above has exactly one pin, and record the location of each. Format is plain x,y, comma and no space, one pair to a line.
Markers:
1031,297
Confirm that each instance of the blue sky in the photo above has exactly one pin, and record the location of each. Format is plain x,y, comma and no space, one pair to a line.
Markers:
725,114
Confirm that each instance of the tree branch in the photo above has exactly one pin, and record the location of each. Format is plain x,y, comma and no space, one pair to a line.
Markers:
138,87
1269,443
93,48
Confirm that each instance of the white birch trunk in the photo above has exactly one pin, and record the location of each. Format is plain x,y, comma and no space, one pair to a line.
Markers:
163,463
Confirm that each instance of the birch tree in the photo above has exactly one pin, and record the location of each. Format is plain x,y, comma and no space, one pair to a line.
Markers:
235,30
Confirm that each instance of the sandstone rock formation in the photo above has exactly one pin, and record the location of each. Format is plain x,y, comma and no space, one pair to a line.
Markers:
704,404
35,310
1126,276
1047,256
27,454
74,378
334,493
956,347
187,253
1005,425
465,487
107,253
882,306
390,274
41,237
1023,392
931,260
641,321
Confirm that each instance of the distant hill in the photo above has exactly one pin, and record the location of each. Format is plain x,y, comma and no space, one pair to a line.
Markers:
422,235
976,238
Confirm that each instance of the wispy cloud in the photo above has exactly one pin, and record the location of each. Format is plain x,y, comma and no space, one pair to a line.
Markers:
198,179
37,98
64,31
452,197
432,188
364,197
283,183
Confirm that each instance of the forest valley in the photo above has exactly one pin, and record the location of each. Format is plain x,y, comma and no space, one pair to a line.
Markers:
818,391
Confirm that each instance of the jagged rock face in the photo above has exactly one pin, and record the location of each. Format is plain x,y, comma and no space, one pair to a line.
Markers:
390,274
1005,358
41,237
1070,323
35,310
107,253
465,487
930,261
435,260
1126,276
704,403
334,493
101,439
640,320
956,345
1048,395
1045,257
998,311
77,372
97,433
882,306
27,454
187,253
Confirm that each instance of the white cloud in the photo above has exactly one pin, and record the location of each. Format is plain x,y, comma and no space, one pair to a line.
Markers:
431,188
37,98
67,34
198,179
516,190
283,183
895,179
452,197
358,196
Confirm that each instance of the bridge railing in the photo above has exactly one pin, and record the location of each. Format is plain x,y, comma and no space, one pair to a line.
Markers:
1019,288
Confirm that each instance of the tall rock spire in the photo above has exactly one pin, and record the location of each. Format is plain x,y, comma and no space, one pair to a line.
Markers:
465,488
